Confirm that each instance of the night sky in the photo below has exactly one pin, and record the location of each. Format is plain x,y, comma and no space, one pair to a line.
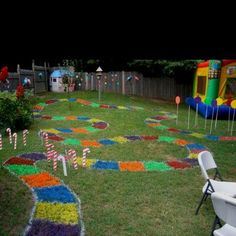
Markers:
116,51
115,34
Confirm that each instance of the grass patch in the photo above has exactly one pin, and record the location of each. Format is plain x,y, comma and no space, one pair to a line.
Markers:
121,203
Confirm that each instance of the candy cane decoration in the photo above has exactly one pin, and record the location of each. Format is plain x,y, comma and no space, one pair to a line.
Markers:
15,140
75,164
50,152
45,136
55,155
25,132
72,154
9,132
0,142
85,151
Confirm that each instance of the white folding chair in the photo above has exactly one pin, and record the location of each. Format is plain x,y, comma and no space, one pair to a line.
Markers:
206,162
225,209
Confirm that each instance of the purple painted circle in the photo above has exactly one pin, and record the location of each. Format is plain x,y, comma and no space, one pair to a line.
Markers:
213,103
197,99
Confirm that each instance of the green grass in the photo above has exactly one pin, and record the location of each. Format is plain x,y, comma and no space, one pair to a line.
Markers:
122,203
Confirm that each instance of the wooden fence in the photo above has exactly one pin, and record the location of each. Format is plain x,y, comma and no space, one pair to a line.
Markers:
165,88
118,82
121,82
38,77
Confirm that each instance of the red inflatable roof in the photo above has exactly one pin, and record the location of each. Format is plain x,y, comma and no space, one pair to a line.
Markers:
206,63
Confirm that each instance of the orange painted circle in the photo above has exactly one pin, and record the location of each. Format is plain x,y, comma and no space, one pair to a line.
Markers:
177,100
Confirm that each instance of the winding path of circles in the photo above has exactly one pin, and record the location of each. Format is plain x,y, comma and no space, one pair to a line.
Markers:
57,208
189,161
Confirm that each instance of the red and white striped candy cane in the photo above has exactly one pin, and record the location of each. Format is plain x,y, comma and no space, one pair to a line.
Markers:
69,153
25,132
75,164
45,136
72,155
85,151
9,133
55,155
15,139
50,152
0,142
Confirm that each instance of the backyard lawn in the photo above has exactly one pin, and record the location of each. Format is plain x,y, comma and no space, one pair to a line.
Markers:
149,201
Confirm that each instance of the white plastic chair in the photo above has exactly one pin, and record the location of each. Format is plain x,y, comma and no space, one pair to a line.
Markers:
206,162
225,209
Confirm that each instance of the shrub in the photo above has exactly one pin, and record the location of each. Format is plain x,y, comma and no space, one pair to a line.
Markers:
15,113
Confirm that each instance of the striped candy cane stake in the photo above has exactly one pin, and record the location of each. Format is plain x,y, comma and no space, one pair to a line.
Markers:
55,155
75,164
15,140
50,151
85,151
9,132
71,154
25,132
0,142
45,136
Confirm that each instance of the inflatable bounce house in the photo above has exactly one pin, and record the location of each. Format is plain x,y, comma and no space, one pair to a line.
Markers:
214,87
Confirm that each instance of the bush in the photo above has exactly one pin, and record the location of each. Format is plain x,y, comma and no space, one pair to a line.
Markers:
15,113
24,115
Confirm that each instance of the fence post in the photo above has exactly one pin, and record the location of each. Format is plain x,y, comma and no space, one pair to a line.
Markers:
123,82
141,85
134,86
92,81
18,72
86,80
46,75
33,69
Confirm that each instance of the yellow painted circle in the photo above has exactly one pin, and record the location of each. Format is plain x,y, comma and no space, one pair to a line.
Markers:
233,104
219,101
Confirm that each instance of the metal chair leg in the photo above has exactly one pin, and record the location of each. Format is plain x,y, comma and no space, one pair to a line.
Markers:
215,223
204,197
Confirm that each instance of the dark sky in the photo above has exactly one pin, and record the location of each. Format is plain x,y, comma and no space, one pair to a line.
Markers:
115,33
109,48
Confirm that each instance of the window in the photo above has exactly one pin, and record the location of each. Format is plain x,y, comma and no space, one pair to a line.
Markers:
230,88
201,84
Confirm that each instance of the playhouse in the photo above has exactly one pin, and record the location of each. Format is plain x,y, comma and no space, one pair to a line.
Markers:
214,79
56,80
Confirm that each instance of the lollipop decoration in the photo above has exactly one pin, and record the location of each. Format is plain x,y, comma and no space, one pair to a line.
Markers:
233,105
177,101
219,101
129,78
